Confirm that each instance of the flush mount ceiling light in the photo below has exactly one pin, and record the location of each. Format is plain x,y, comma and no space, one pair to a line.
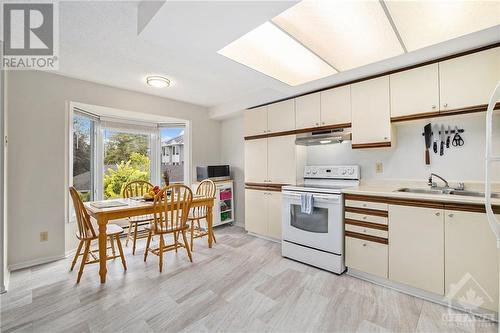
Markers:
271,51
347,34
158,81
424,23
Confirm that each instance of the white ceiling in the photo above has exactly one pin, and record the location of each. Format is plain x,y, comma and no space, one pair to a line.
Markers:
99,42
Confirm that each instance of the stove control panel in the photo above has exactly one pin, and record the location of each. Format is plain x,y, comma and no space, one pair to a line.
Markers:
332,171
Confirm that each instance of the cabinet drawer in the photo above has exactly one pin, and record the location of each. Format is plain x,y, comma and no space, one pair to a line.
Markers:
366,204
366,218
367,231
366,256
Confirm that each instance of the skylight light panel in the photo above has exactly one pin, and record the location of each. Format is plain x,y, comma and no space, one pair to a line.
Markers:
425,23
346,34
271,51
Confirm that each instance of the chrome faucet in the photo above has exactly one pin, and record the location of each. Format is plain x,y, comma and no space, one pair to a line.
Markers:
433,184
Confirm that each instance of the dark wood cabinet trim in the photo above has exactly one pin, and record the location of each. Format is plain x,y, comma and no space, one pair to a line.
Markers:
264,187
365,211
367,237
434,204
415,116
469,109
402,69
367,224
298,131
371,145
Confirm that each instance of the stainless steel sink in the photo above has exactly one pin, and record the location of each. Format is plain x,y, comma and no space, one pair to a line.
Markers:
447,191
420,190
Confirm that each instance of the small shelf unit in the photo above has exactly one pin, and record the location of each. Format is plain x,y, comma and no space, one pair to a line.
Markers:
223,211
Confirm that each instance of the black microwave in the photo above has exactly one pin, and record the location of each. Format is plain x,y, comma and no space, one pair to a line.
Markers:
214,172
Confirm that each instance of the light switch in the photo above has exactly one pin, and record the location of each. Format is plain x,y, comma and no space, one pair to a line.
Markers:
44,236
379,167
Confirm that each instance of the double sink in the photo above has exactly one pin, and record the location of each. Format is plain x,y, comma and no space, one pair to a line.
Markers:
448,191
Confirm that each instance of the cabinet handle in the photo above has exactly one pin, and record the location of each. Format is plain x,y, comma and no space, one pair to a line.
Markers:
450,215
364,244
433,107
445,105
365,205
438,214
364,230
386,138
317,124
364,217
265,131
323,123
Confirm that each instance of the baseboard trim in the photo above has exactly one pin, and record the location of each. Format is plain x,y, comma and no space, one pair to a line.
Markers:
265,237
419,293
35,262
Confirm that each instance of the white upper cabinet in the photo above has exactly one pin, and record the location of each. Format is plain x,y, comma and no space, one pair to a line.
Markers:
281,160
469,80
256,161
256,121
281,116
415,91
307,111
336,106
371,112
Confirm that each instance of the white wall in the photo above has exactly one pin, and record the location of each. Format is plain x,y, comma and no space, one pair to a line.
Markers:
37,157
232,153
406,160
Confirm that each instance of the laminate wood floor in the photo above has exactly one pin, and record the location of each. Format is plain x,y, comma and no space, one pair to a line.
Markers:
242,284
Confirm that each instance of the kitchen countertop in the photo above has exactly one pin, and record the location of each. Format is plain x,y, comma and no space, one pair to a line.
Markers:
388,190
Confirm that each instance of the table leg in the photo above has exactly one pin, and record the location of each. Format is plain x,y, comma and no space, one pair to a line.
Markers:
102,248
210,230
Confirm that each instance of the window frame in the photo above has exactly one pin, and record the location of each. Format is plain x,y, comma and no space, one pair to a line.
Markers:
98,140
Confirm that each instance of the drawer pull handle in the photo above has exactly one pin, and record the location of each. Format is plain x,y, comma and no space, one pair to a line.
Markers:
364,244
364,217
438,214
364,230
365,205
450,215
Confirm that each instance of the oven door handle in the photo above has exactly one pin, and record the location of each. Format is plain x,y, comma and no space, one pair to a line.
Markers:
316,197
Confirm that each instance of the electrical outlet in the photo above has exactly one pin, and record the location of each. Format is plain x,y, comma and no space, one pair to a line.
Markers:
44,236
379,167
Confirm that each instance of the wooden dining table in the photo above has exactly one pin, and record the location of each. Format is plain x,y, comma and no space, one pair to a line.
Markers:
136,208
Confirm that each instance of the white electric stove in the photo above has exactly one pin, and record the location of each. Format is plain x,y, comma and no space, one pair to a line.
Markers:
318,238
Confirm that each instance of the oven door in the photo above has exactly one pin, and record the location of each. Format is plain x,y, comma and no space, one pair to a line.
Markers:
322,229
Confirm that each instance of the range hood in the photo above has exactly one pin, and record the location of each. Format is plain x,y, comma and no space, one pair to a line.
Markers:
323,137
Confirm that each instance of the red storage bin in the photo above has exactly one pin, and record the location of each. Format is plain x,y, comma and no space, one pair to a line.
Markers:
225,195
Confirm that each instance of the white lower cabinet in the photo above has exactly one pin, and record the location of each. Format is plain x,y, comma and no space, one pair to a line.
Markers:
263,213
366,256
416,247
471,260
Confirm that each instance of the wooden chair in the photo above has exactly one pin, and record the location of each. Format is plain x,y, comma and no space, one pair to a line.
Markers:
171,208
86,234
137,189
206,188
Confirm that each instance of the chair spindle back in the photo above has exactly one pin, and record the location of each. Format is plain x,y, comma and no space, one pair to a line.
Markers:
85,228
206,189
136,188
171,207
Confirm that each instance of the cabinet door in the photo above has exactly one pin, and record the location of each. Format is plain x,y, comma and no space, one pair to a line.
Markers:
256,161
371,113
415,91
416,247
471,258
274,214
256,211
336,106
255,121
468,80
307,111
281,116
281,167
366,256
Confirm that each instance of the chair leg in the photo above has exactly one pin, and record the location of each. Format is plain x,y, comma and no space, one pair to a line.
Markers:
135,238
112,243
147,244
176,236
192,235
213,236
77,253
120,249
161,253
128,233
186,244
84,260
